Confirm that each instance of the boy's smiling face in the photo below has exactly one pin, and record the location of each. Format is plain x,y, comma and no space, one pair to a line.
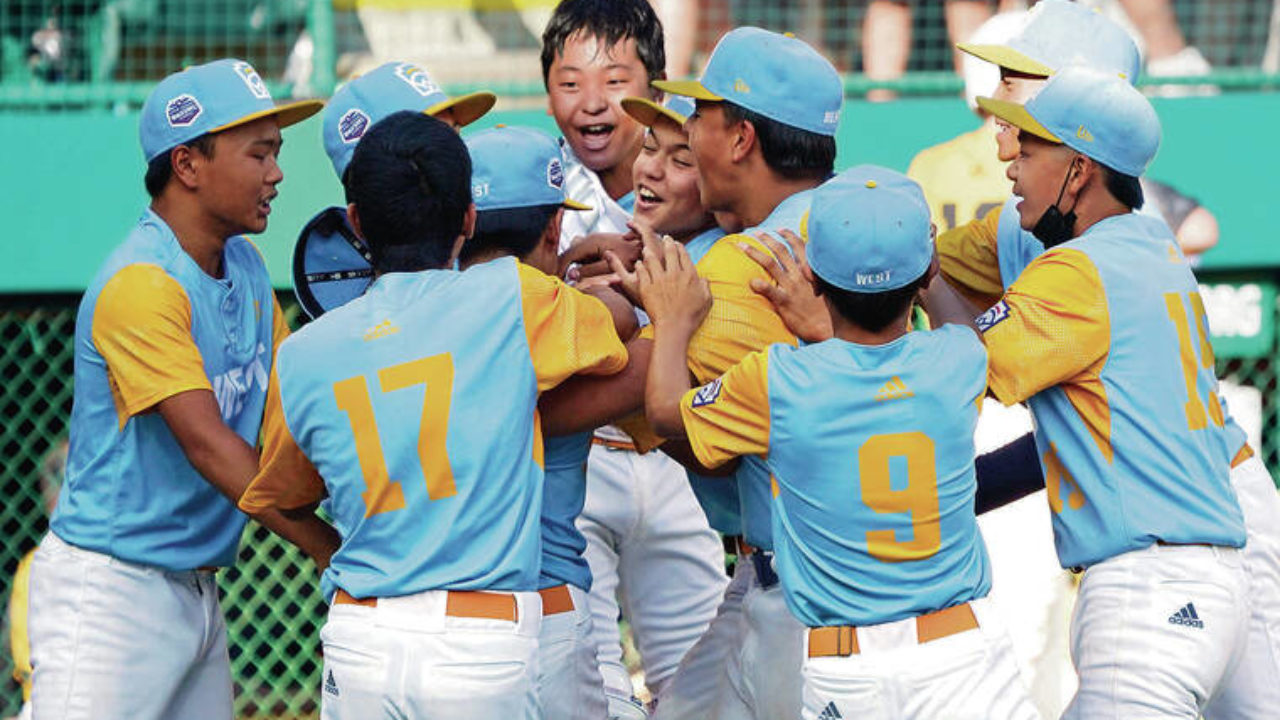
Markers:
585,85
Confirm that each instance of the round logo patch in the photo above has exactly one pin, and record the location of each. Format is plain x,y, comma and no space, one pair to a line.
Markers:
417,78
252,80
555,174
352,125
182,110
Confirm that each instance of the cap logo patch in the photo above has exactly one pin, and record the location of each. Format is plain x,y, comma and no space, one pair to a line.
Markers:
182,111
555,174
1084,134
418,79
707,394
831,117
875,278
994,315
740,86
252,80
352,125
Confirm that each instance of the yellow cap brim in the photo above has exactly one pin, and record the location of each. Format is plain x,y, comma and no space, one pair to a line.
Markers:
1006,57
646,111
575,205
1017,116
466,108
287,114
687,88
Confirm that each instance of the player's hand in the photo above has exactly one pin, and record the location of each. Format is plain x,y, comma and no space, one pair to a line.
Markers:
588,254
671,291
627,282
792,291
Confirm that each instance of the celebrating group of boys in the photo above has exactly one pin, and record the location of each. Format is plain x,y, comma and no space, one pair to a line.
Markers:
581,369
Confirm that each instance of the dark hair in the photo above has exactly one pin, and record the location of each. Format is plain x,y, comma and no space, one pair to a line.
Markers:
410,180
1125,188
516,231
870,311
160,169
793,153
609,21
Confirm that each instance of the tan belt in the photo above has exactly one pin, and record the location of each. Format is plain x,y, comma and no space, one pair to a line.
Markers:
613,444
1245,453
842,640
556,600
459,603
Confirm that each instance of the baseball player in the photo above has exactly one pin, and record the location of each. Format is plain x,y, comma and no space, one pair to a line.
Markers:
413,409
516,185
654,559
763,139
174,339
892,583
1104,335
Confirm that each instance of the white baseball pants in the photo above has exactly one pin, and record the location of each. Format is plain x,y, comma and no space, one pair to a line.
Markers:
117,640
569,682
761,677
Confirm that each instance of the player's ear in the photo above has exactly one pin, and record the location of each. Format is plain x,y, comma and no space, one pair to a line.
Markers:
469,222
353,216
184,163
551,234
744,140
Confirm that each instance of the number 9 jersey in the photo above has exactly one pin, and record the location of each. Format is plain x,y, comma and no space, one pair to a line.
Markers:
871,452
416,405
1105,337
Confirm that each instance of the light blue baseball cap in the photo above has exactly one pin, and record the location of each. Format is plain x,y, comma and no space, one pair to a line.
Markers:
210,98
869,230
516,167
676,108
1059,34
1097,114
778,76
389,88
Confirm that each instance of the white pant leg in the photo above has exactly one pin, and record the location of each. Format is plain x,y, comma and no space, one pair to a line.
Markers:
765,681
100,627
569,682
1156,631
406,659
692,693
1253,690
609,515
971,675
671,568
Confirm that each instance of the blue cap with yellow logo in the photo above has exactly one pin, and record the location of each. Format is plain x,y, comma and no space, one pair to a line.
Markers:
869,230
1096,114
775,75
1059,34
516,167
210,98
389,88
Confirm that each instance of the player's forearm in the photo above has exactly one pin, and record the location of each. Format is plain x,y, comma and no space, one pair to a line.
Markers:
305,529
586,402
944,305
668,378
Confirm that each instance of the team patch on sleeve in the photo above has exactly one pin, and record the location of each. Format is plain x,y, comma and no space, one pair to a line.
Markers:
994,315
707,394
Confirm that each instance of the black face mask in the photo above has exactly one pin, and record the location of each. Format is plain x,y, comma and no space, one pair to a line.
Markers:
1053,227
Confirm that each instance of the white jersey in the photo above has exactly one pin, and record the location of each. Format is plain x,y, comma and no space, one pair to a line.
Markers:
583,185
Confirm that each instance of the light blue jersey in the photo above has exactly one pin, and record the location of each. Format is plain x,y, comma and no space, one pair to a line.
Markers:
562,500
415,403
871,450
153,324
1106,338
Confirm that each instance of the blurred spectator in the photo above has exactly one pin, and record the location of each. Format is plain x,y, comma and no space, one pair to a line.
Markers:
1167,50
886,35
680,28
1195,227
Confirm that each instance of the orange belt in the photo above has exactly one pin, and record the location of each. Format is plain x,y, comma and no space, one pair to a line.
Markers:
842,640
613,444
556,600
459,603
1245,453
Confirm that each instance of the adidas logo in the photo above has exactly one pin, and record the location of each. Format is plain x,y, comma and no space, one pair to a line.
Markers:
330,686
1187,616
382,329
895,389
830,712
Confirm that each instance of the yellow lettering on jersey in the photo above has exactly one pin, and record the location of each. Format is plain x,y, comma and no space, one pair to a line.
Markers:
382,329
1191,364
893,390
382,494
920,497
1055,474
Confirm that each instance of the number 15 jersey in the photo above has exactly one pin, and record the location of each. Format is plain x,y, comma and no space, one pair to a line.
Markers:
416,405
871,451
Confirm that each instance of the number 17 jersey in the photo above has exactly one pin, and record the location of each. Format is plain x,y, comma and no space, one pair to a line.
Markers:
416,405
